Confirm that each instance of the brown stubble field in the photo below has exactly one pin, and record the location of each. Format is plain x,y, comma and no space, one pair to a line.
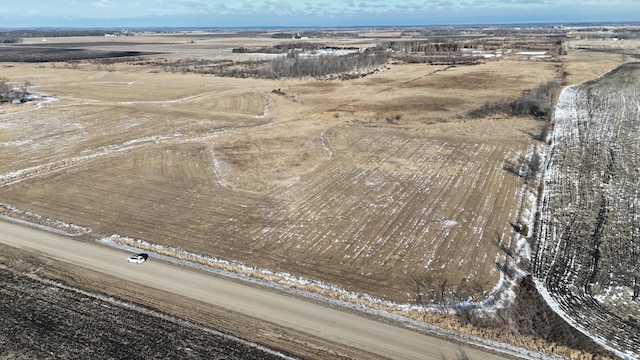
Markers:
369,185
313,181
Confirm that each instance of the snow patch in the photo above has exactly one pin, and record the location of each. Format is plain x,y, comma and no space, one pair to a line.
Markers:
12,214
300,286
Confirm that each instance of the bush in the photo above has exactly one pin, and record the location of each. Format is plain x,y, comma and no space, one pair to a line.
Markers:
530,315
538,103
7,93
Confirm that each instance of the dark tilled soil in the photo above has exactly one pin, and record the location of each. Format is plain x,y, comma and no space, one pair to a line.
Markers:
39,54
41,321
588,251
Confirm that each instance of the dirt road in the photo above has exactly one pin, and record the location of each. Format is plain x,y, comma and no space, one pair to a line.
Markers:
343,328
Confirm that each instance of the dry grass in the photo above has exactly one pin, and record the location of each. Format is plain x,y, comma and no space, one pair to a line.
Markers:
592,58
226,168
316,183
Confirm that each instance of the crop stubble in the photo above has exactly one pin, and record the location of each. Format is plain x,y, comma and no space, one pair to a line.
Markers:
315,183
74,325
587,250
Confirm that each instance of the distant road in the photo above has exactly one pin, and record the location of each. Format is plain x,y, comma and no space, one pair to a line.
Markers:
331,324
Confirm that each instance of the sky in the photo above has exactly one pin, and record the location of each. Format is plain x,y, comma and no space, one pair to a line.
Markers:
307,13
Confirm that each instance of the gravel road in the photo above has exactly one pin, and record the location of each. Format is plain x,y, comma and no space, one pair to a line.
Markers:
340,327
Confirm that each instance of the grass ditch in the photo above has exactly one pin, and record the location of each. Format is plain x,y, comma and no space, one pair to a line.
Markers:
530,318
528,323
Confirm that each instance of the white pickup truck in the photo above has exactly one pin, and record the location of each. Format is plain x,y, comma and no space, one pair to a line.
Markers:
137,258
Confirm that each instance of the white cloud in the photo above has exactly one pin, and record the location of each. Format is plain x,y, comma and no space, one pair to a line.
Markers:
102,3
312,13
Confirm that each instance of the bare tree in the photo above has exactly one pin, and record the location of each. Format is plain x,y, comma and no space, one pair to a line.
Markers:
22,92
4,89
431,291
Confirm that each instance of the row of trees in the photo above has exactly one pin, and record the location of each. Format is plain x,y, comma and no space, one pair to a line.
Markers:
10,40
287,47
297,66
50,32
446,59
427,47
293,65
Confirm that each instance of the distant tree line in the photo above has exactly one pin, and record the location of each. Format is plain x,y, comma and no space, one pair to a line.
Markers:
445,51
288,47
423,46
313,34
453,59
606,33
12,40
298,67
292,65
22,33
257,50
482,31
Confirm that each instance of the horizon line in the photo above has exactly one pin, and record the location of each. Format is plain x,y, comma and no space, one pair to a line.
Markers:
270,27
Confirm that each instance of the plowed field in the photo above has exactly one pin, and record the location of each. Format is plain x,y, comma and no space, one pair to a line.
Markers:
41,321
588,248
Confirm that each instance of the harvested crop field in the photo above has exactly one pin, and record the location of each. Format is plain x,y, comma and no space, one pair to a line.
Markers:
47,320
587,250
368,185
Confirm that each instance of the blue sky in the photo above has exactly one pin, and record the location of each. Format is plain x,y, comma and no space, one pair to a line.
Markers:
307,13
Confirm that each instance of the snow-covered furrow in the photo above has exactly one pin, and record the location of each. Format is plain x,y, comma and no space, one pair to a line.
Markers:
588,228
